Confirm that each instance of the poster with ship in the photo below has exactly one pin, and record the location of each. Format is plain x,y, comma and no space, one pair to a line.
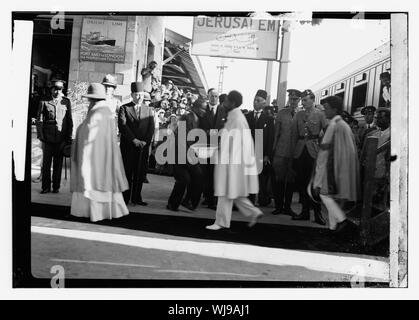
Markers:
103,40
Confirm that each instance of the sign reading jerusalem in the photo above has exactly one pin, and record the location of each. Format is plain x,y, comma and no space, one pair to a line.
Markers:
236,37
103,40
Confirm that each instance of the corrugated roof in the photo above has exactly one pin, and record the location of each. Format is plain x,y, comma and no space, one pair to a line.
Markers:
191,65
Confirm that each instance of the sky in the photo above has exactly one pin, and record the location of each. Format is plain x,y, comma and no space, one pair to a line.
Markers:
315,53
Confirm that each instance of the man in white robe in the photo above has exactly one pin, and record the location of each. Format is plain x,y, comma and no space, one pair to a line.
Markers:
235,173
337,166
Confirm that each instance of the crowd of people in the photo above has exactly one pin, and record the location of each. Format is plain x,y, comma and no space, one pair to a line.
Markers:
315,150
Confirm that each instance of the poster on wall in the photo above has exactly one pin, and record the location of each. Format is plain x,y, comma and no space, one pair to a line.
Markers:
236,37
103,40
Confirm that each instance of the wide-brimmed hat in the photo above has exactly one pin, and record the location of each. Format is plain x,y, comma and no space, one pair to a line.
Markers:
109,80
96,91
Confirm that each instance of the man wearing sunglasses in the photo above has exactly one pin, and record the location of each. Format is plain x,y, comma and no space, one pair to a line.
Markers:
55,127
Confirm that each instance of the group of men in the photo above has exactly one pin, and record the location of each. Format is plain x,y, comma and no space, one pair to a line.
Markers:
291,145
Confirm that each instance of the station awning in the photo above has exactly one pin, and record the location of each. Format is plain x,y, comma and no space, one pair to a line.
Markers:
180,66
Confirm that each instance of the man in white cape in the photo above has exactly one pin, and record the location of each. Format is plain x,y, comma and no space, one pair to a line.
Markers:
235,173
337,167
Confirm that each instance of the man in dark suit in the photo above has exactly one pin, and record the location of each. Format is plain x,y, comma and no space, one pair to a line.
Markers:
260,120
55,128
136,126
212,121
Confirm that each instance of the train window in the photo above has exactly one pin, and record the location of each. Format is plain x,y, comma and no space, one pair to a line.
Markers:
340,86
361,77
387,66
325,93
359,96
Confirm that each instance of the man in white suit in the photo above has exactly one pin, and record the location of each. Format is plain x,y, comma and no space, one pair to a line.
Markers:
235,174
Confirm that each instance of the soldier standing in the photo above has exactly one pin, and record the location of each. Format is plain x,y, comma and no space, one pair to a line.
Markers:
306,129
55,127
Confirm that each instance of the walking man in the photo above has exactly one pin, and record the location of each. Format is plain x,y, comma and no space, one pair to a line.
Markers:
235,172
337,167
55,125
136,126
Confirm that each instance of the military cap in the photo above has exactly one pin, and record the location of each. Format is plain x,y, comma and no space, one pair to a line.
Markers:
137,87
307,92
366,109
109,80
57,83
262,93
294,93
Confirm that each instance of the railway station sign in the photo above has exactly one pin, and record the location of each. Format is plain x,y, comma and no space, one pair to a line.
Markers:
103,40
236,37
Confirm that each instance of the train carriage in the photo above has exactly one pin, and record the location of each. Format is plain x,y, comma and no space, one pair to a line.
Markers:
358,83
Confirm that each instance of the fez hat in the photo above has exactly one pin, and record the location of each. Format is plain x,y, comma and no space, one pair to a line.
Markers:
307,92
147,96
137,87
262,93
364,110
96,91
109,80
294,92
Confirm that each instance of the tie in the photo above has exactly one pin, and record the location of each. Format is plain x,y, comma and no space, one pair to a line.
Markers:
137,110
257,113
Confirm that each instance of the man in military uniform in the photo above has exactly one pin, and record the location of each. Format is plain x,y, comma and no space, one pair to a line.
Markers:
306,129
55,128
136,126
258,119
369,113
283,177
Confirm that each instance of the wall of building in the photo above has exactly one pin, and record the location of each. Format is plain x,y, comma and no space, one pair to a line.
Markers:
139,30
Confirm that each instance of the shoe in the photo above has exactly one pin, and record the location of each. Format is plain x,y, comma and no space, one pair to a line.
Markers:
305,215
55,191
254,220
188,206
43,191
141,203
214,227
169,207
277,211
318,218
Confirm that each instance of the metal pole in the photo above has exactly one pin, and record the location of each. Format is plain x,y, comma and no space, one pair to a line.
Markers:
283,66
268,80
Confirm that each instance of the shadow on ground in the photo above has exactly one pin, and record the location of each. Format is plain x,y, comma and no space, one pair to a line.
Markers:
266,235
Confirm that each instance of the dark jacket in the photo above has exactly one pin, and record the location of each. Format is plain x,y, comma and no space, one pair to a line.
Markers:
208,121
191,121
131,127
54,121
265,123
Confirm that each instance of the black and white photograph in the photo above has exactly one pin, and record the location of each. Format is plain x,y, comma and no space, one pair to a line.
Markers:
259,148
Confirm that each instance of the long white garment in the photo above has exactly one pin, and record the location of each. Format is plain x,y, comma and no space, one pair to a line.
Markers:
98,205
225,207
336,215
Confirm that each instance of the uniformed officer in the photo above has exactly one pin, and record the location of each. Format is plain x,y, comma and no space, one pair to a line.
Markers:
306,129
283,179
369,113
55,127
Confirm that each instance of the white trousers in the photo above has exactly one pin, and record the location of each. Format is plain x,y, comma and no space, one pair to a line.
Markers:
225,207
336,215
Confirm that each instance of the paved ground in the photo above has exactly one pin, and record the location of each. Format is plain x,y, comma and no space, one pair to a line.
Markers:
155,243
